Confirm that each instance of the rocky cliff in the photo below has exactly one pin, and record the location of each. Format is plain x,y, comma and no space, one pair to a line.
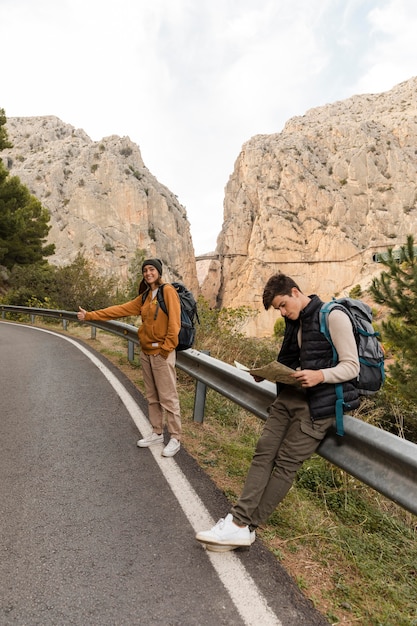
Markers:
318,201
103,200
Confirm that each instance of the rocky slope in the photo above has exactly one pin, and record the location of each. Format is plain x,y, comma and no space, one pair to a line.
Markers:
103,200
318,201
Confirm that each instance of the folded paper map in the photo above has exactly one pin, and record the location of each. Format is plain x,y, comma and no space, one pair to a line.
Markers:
274,371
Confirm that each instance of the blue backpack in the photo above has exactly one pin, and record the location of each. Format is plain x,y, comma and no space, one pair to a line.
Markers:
371,354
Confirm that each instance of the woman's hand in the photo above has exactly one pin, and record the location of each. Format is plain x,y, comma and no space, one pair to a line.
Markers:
81,314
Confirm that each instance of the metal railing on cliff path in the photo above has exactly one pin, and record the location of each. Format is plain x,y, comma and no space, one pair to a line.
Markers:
377,458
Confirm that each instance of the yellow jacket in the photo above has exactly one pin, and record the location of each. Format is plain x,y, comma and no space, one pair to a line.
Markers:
156,336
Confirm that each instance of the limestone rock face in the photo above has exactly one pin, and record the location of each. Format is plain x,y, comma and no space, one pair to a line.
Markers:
103,200
319,200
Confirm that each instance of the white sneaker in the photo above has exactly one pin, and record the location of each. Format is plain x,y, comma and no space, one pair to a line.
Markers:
172,447
150,440
227,548
226,533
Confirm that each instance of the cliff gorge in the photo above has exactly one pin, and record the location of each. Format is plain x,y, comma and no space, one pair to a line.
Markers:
103,200
318,201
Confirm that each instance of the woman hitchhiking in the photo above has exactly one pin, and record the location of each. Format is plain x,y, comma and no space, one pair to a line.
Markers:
158,337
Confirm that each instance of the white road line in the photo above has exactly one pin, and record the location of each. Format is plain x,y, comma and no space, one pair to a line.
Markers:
249,602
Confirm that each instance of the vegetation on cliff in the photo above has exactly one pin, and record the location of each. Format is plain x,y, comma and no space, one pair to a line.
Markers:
23,220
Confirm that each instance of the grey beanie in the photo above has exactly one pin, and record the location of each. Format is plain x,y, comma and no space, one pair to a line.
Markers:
156,263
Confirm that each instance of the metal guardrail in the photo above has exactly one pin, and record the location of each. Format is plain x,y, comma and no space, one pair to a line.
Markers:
377,458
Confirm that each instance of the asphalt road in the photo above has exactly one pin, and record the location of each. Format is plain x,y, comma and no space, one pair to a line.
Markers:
97,532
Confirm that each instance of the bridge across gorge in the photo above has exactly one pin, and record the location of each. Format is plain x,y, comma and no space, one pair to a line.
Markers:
376,256
215,256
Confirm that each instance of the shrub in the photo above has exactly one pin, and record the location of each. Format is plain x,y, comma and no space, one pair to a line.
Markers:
279,328
220,333
355,292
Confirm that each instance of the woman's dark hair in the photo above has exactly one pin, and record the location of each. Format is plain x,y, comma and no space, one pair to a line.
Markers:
278,285
143,285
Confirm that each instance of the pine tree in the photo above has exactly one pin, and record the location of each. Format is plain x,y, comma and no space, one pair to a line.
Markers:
396,288
23,220
4,142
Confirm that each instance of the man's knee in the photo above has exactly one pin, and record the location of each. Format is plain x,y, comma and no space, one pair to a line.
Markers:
286,470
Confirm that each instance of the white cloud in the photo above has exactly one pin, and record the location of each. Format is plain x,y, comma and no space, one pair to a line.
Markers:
190,82
391,55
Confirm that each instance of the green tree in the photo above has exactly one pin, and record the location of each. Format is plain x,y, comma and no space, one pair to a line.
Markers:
134,276
4,142
396,288
45,286
78,285
27,283
23,220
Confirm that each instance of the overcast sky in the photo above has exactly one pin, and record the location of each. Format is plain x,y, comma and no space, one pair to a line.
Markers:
190,81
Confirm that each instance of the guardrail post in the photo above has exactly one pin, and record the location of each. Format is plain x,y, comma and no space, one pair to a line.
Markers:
93,332
200,398
32,319
65,324
130,351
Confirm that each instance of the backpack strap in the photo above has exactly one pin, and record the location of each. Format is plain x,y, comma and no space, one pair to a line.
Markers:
324,328
160,298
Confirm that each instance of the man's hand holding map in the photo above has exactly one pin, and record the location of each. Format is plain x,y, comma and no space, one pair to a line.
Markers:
274,372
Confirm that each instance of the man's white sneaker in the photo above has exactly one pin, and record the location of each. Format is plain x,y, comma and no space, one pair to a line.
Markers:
172,447
226,533
150,440
215,547
226,548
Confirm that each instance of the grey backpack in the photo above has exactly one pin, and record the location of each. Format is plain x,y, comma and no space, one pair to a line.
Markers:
371,354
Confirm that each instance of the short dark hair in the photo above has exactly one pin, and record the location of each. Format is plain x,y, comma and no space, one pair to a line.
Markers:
278,285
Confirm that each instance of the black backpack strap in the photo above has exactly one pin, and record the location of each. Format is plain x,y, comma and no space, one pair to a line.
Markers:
161,301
